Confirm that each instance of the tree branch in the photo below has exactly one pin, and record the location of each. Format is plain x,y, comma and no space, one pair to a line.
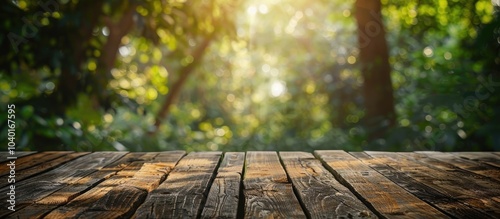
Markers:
176,87
110,50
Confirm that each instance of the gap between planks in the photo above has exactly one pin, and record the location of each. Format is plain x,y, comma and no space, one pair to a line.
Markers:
484,196
65,177
222,175
174,197
267,191
446,203
320,194
385,197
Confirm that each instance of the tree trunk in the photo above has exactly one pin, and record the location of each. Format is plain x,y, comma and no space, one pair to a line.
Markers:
117,30
69,81
176,87
374,59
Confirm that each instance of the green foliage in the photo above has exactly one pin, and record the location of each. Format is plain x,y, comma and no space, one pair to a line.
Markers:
437,71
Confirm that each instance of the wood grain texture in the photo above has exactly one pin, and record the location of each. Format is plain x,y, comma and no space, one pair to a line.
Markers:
123,200
474,192
436,164
387,198
483,157
334,184
181,195
68,181
124,171
465,164
268,193
4,155
45,166
446,203
33,160
223,197
120,202
318,190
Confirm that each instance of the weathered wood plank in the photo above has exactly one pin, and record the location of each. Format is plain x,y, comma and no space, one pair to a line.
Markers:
123,200
181,195
42,167
491,186
125,168
4,155
33,160
62,196
387,198
449,183
321,194
449,162
66,176
446,203
444,166
484,157
268,193
463,185
116,204
223,197
121,171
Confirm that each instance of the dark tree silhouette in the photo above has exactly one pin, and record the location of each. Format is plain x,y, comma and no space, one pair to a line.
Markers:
374,58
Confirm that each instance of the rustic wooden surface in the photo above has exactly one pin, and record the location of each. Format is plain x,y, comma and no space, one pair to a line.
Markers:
223,198
256,184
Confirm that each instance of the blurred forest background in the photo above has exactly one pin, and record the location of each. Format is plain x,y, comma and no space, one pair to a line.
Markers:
237,75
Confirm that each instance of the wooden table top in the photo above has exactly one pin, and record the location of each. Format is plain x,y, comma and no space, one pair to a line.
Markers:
257,184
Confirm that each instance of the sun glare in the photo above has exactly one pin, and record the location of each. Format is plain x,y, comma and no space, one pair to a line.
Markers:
278,88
